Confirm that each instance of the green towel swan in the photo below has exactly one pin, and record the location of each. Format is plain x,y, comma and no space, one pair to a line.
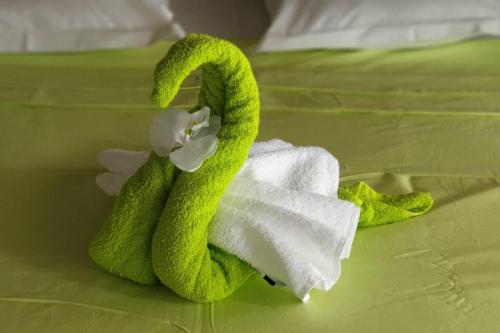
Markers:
158,227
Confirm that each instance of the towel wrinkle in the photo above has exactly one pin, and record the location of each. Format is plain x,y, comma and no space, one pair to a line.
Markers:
283,217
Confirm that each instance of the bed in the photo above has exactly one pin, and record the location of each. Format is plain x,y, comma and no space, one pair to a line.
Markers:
409,120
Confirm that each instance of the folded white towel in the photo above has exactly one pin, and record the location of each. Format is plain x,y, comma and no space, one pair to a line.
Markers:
280,214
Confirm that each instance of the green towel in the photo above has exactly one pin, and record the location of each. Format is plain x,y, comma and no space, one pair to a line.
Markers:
158,228
378,209
123,245
181,258
178,206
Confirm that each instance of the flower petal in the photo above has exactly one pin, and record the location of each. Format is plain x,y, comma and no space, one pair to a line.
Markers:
199,119
122,161
212,129
112,183
167,130
191,156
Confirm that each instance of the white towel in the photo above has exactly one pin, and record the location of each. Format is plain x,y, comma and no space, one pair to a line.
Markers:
280,214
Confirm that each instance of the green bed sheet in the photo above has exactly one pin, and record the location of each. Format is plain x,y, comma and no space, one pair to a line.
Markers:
408,120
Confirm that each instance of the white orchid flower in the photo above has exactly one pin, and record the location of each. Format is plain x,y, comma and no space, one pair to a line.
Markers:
187,138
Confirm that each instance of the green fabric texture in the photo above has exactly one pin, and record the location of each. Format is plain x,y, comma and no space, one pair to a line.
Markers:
178,207
379,209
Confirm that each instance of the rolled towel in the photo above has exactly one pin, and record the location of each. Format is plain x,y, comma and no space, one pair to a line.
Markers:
378,209
158,227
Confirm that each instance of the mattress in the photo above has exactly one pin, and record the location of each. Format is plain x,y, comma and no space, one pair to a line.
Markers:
409,120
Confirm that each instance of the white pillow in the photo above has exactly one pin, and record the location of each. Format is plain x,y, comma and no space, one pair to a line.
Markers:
74,25
305,24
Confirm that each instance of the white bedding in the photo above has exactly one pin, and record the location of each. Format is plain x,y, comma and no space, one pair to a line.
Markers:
304,24
74,25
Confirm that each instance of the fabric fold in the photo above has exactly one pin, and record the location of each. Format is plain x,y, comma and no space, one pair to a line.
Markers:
281,214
